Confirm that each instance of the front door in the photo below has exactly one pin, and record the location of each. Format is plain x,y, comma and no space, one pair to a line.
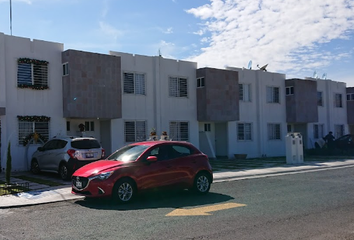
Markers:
159,173
221,144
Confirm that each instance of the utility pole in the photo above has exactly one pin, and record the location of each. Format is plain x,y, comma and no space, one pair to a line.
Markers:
11,17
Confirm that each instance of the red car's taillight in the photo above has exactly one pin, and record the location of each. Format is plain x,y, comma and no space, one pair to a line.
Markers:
103,153
71,153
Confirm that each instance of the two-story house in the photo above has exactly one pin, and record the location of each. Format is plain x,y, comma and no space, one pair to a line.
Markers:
314,107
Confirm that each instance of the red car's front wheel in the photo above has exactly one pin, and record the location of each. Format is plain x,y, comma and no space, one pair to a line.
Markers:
124,190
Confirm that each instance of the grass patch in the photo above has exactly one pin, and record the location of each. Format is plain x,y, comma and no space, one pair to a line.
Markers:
6,189
39,181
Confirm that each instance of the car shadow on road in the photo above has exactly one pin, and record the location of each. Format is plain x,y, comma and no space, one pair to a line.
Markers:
157,199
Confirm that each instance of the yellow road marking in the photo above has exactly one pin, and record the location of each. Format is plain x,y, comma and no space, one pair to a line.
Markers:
204,210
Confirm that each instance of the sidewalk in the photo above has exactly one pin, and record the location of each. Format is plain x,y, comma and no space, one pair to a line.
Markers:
40,194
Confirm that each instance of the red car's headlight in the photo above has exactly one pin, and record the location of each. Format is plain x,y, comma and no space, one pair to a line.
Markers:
102,176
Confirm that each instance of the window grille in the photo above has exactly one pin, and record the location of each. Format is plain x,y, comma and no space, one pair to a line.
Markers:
273,95
128,83
338,100
319,99
179,131
245,92
140,84
178,87
274,131
27,128
134,83
244,131
317,131
135,131
32,74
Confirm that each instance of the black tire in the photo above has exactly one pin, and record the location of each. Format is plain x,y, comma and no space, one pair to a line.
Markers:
202,183
35,167
124,191
64,171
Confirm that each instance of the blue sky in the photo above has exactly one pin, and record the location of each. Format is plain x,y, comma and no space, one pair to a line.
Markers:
295,37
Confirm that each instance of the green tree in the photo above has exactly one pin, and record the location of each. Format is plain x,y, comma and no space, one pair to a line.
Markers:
8,164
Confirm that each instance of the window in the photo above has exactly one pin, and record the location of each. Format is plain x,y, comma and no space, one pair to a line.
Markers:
207,127
134,83
338,130
317,131
289,128
289,90
90,126
179,131
350,96
135,131
32,73
274,131
182,150
244,131
338,100
26,129
200,82
178,87
245,92
319,99
273,95
68,126
65,69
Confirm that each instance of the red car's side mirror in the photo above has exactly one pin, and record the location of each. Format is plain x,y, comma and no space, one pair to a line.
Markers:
152,159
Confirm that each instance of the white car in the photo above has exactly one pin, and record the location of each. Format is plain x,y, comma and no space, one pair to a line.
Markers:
65,155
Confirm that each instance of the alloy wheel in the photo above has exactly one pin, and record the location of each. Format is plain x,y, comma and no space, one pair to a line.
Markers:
202,184
125,192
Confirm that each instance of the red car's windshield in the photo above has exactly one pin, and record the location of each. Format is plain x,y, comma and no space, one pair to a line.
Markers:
128,153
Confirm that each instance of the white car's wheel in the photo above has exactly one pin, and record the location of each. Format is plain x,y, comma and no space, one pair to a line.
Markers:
35,166
63,171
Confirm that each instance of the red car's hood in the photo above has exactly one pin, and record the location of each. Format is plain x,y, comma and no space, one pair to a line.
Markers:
96,167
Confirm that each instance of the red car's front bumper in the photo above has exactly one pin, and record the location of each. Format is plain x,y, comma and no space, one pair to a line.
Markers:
91,187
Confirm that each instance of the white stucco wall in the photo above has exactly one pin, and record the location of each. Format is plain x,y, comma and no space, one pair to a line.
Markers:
260,113
156,107
31,102
328,114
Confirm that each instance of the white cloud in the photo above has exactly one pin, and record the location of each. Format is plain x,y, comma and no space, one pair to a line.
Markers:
286,34
105,8
166,49
168,30
109,30
200,32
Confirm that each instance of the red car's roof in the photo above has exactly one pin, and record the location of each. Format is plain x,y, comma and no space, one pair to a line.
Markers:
152,143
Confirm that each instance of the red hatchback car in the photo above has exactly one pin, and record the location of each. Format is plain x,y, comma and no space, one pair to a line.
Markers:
142,166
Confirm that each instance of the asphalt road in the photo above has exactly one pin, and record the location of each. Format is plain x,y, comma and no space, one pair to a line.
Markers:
316,205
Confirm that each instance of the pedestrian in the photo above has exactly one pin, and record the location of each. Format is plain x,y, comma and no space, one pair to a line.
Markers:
329,138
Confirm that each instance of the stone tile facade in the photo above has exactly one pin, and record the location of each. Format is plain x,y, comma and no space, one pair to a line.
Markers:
92,88
218,100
